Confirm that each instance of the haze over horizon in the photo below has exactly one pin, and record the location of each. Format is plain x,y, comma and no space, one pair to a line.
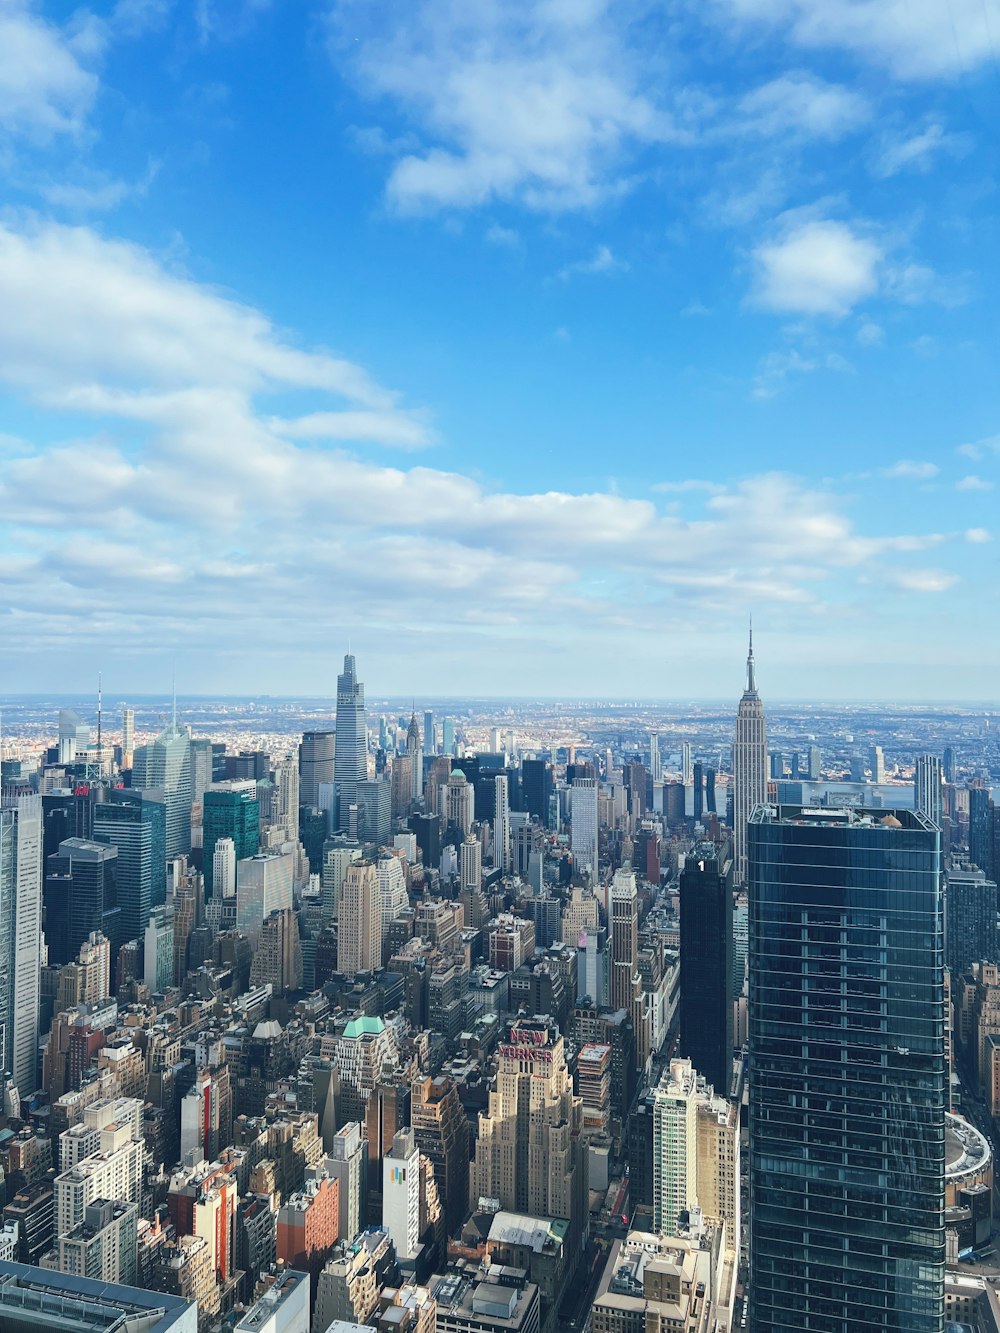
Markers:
516,343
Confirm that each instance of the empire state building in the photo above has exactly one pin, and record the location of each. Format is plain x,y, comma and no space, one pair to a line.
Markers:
749,766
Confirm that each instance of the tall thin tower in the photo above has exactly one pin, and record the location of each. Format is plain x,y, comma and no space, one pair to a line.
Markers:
749,765
350,760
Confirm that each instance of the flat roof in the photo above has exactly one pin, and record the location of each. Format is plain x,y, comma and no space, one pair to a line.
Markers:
37,1298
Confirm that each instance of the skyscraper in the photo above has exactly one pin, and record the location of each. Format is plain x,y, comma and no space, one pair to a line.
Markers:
316,764
20,939
231,810
536,788
360,935
416,755
530,1150
81,897
128,736
350,765
430,733
927,787
441,1130
749,766
584,826
501,824
401,1194
981,821
971,918
135,821
849,1085
655,763
706,1004
877,761
624,937
166,764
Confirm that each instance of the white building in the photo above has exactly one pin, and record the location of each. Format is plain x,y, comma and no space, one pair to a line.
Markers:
584,825
501,824
401,1194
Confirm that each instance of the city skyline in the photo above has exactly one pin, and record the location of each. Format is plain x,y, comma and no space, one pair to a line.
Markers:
519,333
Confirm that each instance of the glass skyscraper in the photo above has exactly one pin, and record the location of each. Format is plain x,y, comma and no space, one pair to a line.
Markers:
229,810
847,1071
135,822
350,764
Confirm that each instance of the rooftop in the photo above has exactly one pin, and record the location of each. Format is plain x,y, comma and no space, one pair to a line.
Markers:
40,1299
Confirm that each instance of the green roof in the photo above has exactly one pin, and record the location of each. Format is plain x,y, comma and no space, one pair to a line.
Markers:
364,1027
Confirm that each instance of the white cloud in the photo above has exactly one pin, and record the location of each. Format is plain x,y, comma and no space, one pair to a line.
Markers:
189,488
816,267
918,152
977,536
776,367
602,263
973,483
504,236
912,470
46,87
800,104
921,580
870,334
913,39
541,104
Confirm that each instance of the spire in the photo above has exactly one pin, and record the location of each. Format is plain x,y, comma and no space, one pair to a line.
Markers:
751,683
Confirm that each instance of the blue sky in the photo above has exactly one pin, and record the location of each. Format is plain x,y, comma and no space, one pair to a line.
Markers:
530,346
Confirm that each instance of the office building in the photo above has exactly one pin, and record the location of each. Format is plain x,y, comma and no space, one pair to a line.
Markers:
663,1284
360,916
166,765
82,898
971,918
458,805
749,766
487,1299
103,1246
283,1306
277,959
365,1055
350,765
308,1224
430,733
20,940
584,826
128,736
348,1165
229,810
501,824
135,821
374,802
536,788
441,1131
927,788
158,951
39,1299
706,961
624,937
316,765
877,763
224,861
264,884
529,1151
401,1194
849,1086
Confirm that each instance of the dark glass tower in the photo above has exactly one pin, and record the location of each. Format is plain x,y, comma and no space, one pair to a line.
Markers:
536,786
229,812
81,897
135,822
706,1004
847,1072
971,914
981,830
